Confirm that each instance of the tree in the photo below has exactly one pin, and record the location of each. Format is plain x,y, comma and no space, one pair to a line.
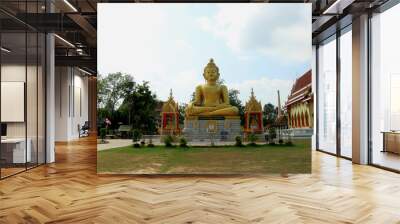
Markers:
111,90
235,101
181,110
101,91
270,114
140,104
110,93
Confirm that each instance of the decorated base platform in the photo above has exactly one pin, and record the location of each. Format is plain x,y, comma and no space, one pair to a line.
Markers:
208,128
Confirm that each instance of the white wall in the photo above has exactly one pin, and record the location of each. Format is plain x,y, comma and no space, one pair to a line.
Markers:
16,73
71,94
33,126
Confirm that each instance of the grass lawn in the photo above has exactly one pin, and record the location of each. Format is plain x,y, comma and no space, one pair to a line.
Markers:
258,159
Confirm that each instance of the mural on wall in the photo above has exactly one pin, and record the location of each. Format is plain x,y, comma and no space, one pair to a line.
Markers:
211,108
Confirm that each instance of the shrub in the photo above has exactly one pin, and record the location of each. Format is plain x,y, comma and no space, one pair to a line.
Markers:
103,133
136,135
289,143
272,134
271,143
168,140
136,145
238,141
252,138
280,141
183,142
150,144
252,144
142,143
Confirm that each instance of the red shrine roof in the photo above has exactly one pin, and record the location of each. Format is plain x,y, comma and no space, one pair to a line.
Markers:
301,90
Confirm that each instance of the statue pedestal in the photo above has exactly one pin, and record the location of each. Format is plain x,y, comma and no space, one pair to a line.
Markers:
212,128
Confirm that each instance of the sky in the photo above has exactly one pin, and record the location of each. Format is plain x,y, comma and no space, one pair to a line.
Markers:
255,45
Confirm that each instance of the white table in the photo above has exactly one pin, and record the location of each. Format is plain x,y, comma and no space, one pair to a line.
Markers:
19,155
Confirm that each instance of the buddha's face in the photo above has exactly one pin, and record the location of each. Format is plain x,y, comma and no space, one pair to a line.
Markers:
211,74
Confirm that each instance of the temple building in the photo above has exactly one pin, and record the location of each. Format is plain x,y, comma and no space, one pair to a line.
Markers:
253,115
300,103
170,117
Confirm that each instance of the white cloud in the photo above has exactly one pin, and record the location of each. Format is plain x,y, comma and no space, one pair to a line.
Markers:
130,45
152,43
137,39
182,84
275,30
265,89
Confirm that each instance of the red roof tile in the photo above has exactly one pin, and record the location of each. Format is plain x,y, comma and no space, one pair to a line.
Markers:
300,87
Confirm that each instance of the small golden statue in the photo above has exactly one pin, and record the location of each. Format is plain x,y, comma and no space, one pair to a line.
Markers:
211,99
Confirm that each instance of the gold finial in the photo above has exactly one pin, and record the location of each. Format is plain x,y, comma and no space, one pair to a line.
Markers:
170,93
252,92
211,65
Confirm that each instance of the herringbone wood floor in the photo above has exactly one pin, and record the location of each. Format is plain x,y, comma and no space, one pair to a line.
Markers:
69,191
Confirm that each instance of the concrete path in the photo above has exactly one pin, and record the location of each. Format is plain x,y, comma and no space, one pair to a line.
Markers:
113,143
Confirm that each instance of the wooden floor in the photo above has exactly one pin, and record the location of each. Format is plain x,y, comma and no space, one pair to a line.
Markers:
69,191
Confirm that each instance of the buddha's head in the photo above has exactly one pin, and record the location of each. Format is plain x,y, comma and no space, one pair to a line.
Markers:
211,71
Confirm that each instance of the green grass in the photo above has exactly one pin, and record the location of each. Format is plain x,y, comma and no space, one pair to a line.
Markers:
207,160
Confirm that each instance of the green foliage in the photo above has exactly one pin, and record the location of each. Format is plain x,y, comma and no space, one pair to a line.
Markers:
205,159
140,106
183,142
103,133
235,101
272,134
136,145
168,140
280,141
289,143
238,141
111,88
270,113
124,101
181,110
136,135
252,138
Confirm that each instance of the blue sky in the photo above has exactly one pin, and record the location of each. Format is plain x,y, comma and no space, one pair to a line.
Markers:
260,46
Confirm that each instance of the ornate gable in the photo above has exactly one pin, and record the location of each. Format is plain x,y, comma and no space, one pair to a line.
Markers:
170,106
253,105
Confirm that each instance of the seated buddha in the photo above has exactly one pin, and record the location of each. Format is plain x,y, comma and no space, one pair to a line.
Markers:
211,98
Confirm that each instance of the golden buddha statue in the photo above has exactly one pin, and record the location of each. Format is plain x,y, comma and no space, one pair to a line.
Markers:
211,99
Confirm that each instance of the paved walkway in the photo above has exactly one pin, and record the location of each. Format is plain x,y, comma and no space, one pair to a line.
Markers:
113,143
